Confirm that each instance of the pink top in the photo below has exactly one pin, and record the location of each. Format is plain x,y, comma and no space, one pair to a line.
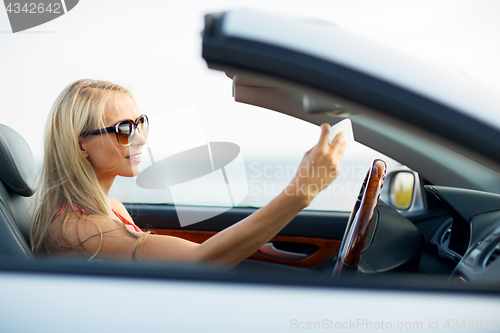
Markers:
128,224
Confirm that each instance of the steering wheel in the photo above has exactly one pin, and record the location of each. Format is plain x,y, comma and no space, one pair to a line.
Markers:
360,219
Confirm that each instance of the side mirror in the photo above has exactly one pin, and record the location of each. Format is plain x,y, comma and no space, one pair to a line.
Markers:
401,189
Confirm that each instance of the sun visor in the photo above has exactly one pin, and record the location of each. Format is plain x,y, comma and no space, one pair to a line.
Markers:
270,94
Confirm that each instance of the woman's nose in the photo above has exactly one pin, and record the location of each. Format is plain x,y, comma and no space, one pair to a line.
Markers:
139,139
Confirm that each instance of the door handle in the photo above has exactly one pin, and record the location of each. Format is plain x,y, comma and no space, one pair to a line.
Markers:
270,250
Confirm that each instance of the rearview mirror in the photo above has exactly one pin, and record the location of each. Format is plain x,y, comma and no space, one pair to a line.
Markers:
401,190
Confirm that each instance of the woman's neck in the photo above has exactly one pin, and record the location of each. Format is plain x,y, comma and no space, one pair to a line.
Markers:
106,182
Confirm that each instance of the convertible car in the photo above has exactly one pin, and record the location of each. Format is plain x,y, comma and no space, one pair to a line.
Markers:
418,252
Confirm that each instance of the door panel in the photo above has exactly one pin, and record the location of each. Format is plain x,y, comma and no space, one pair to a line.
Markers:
324,248
315,236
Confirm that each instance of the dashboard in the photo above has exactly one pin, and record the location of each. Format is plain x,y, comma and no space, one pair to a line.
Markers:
471,236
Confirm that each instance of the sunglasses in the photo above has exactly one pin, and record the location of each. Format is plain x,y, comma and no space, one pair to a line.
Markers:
125,130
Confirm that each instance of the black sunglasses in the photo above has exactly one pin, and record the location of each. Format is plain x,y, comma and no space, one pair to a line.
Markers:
125,130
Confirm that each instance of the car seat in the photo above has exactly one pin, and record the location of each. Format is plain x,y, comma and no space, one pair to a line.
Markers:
17,177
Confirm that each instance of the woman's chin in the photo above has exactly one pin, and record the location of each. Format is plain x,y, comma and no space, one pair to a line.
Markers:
136,171
132,172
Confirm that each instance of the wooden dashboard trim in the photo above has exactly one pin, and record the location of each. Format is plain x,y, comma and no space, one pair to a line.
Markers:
326,247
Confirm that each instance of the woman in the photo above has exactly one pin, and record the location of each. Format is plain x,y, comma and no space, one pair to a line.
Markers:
95,133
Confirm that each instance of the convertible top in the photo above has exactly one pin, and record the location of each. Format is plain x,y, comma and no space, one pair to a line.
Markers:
275,62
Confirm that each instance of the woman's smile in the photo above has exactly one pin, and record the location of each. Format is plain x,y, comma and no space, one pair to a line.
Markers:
135,158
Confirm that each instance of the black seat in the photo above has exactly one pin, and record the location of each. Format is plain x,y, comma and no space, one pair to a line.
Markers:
17,177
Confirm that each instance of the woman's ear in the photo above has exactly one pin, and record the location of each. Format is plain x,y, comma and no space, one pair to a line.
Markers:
82,143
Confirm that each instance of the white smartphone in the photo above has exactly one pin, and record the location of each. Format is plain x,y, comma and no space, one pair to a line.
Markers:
346,127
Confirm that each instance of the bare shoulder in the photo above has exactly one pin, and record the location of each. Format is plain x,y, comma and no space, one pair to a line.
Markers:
95,233
120,208
116,203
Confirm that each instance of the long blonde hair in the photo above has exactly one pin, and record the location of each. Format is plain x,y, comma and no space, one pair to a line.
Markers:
67,178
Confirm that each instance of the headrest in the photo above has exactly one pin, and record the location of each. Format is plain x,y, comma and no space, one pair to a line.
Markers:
17,164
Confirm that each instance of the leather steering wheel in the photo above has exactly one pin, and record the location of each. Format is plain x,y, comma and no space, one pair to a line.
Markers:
360,219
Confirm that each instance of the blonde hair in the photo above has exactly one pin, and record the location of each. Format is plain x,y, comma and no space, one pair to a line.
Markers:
68,182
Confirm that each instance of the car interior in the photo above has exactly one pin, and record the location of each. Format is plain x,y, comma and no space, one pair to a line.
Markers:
431,243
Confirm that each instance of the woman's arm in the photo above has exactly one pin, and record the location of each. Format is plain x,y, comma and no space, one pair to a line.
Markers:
317,170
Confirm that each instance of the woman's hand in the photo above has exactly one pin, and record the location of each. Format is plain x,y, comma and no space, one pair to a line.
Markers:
319,167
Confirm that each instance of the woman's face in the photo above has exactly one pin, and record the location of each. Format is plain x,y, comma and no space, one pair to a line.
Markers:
104,153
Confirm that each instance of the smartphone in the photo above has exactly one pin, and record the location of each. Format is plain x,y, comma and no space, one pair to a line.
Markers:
346,127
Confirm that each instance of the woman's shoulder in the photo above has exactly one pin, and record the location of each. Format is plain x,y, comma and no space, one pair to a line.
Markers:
79,220
118,206
90,232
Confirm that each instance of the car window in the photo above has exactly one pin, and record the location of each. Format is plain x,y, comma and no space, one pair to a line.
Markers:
235,156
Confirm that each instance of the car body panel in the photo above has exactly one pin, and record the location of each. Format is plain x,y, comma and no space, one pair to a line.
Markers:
156,305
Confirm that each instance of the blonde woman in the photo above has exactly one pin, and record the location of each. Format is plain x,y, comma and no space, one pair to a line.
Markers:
95,133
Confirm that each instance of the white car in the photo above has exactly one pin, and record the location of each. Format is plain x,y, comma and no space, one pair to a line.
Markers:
428,262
